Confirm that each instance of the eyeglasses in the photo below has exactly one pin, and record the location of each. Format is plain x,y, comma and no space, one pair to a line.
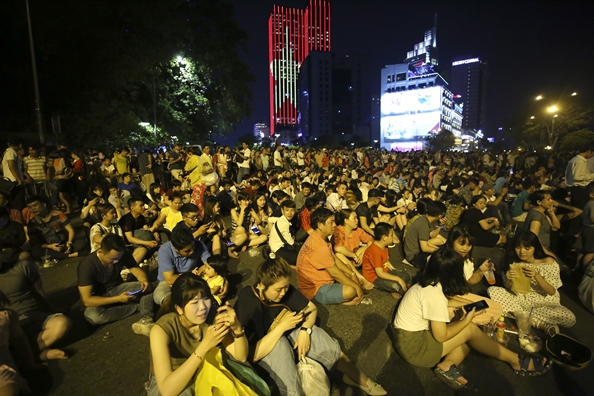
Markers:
192,217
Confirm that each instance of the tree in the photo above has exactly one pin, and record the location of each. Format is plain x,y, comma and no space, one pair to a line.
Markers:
546,124
444,140
577,140
107,66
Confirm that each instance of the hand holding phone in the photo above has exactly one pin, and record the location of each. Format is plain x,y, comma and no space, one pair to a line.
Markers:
132,293
479,305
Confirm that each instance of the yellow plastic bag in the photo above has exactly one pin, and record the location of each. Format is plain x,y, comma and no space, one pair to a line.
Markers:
214,378
521,283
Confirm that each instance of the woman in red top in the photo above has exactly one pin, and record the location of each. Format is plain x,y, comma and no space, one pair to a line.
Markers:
347,241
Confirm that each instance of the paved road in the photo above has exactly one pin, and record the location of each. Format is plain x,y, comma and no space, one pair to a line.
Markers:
111,360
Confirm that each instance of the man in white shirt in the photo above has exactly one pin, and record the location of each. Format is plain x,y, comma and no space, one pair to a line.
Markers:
13,170
300,158
278,158
281,240
336,201
578,176
243,166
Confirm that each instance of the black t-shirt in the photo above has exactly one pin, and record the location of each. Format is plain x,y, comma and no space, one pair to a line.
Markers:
91,272
173,156
256,317
130,224
482,237
363,210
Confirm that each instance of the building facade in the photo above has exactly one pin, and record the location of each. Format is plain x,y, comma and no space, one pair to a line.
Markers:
468,83
292,34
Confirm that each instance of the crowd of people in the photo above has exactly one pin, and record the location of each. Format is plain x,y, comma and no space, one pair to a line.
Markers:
159,227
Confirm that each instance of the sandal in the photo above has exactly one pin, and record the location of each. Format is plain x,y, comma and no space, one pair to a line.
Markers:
450,377
539,367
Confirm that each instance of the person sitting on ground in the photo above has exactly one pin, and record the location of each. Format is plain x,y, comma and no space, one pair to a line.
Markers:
282,236
12,239
496,205
181,254
213,272
21,290
302,195
108,225
243,217
274,340
120,200
104,294
521,204
136,232
377,268
322,276
543,299
89,210
422,237
480,225
587,230
349,240
127,184
337,200
52,234
365,210
423,337
190,221
225,198
169,217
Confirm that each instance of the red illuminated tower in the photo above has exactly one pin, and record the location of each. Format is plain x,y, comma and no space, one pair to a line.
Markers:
292,34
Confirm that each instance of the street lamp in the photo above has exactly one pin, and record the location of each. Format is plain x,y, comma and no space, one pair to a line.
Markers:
539,97
552,109
574,94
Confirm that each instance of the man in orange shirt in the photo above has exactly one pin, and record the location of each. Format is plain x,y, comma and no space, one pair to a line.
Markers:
321,276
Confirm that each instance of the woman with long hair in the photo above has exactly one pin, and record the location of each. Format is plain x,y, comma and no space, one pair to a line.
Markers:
280,324
424,337
262,209
243,217
154,195
543,299
181,340
89,210
216,233
221,160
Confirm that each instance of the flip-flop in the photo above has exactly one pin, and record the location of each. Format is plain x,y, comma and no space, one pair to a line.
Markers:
450,377
539,368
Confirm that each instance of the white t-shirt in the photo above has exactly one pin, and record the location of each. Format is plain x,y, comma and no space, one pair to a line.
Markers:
278,159
300,159
468,269
420,305
246,162
11,155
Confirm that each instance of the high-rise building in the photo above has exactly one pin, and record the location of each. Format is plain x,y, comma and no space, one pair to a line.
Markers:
261,130
292,34
468,83
416,101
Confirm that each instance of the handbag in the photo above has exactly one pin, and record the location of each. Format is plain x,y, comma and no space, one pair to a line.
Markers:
215,379
7,185
314,380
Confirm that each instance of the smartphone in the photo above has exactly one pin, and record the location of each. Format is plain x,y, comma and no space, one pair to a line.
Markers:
256,230
479,305
134,292
230,243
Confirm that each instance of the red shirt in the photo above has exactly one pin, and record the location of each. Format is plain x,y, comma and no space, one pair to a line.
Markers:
374,257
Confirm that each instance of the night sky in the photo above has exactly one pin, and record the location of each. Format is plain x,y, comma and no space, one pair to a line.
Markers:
532,47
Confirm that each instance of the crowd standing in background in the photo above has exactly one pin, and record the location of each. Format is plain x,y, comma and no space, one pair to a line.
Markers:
329,215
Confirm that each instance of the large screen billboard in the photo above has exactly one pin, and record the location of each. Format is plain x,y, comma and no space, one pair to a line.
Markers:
407,115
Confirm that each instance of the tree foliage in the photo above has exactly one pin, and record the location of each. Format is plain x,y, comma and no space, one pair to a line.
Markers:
105,64
577,140
444,140
537,126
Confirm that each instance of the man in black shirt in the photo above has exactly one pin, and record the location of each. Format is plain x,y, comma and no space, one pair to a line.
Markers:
136,231
106,297
365,210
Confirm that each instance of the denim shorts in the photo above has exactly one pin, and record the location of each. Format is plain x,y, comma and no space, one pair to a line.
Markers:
34,322
330,294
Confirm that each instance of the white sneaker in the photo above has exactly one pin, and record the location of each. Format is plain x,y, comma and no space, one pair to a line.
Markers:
371,387
143,326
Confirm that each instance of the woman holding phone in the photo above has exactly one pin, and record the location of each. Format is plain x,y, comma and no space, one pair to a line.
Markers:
280,325
424,337
181,339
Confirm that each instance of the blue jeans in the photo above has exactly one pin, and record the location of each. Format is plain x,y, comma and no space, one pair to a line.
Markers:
114,312
280,363
161,291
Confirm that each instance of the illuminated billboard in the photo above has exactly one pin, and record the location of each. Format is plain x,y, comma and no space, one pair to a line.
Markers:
407,115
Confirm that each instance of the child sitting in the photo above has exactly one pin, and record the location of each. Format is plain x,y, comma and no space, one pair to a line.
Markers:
376,265
212,272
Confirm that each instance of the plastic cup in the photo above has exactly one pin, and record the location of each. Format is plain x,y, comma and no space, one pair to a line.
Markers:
523,320
490,277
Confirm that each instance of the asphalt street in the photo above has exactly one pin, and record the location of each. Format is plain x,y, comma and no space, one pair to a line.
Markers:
111,360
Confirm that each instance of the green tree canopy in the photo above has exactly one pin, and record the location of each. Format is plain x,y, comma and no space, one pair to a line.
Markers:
104,65
577,140
547,122
444,140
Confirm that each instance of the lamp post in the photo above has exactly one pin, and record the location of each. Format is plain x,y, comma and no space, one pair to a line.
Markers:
38,116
